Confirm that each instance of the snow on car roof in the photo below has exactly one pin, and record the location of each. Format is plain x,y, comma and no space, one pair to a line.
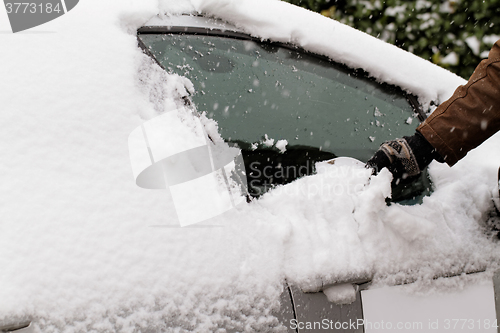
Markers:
280,21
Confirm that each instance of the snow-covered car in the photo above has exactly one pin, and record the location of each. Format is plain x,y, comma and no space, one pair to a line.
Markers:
84,249
287,108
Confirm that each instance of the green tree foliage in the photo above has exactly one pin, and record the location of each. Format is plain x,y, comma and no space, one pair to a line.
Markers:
455,34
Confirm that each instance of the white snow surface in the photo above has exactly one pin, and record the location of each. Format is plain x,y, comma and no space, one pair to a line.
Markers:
450,59
474,44
83,249
281,145
343,293
267,142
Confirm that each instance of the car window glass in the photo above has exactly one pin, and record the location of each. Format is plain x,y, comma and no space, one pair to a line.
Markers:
254,89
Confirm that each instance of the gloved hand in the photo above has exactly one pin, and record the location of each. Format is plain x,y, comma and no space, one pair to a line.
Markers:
405,157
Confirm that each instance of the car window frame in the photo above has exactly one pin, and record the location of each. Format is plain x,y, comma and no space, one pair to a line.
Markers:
356,73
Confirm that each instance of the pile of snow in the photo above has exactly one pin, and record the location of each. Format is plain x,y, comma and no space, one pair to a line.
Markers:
268,142
78,252
344,293
281,145
83,249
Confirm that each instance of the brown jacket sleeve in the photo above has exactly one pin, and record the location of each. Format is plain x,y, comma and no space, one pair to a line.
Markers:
470,116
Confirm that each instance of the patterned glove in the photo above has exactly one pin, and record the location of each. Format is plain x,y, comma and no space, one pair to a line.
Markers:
405,157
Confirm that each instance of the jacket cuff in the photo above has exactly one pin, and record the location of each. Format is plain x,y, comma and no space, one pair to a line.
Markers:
442,151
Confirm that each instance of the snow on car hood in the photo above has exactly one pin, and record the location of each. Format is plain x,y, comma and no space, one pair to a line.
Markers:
82,248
